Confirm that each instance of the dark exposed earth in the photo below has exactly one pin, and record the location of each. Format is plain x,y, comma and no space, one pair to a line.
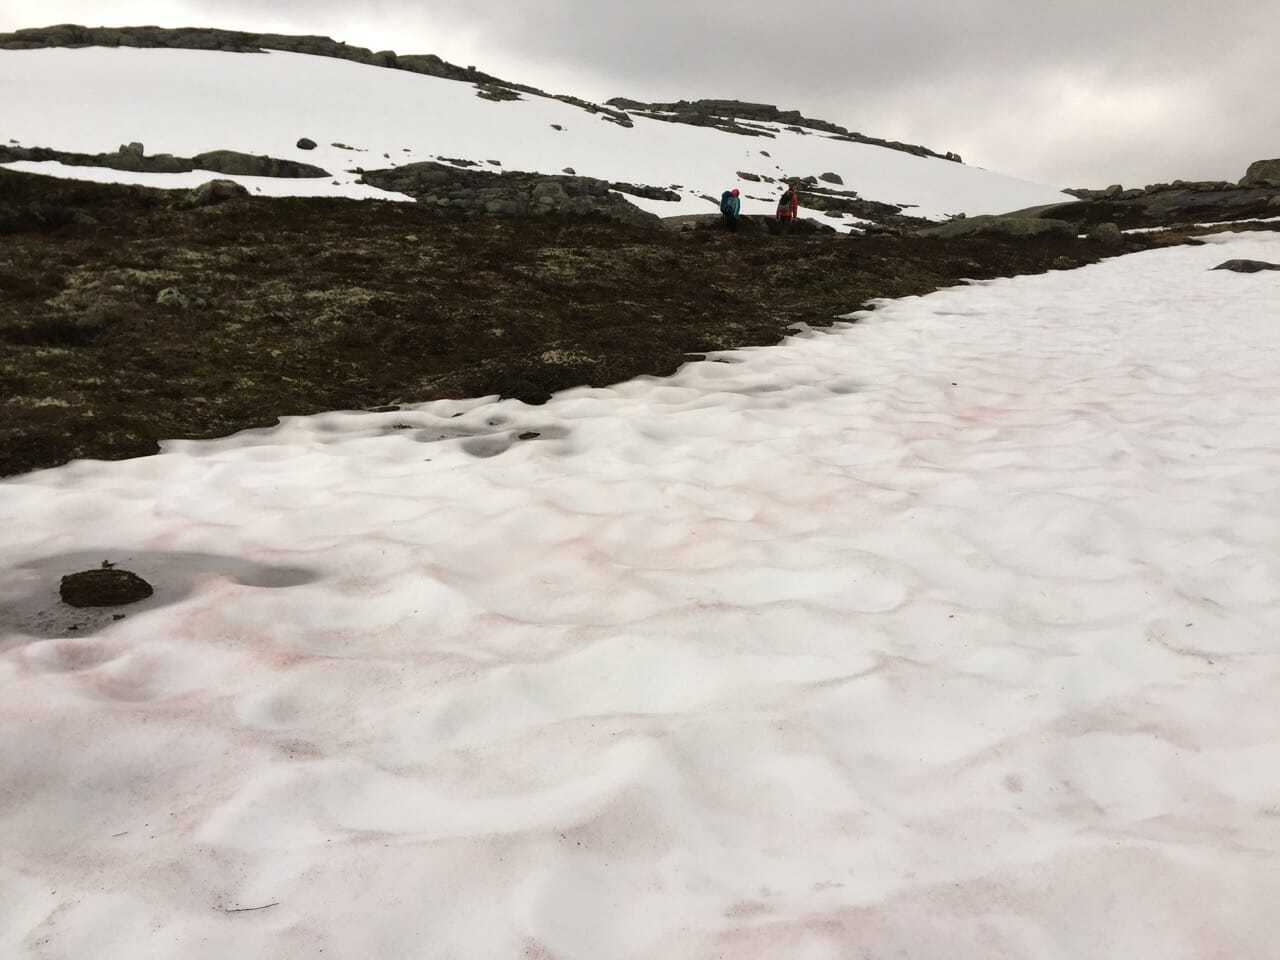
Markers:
323,304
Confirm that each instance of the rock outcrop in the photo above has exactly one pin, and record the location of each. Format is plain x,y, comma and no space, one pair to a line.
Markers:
511,194
737,116
1181,202
1001,227
131,157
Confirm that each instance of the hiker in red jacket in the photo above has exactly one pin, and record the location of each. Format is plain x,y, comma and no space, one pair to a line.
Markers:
788,209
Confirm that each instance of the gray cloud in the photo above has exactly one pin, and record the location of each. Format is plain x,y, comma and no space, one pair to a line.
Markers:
1078,92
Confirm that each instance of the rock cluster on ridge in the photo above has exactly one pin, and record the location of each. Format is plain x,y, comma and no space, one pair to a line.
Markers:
132,157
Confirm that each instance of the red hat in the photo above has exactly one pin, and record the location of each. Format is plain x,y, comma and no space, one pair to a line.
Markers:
735,191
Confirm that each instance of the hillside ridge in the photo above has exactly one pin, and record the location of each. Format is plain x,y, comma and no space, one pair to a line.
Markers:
733,116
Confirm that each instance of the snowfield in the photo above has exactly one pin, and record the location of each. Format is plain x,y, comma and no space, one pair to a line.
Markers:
186,102
954,632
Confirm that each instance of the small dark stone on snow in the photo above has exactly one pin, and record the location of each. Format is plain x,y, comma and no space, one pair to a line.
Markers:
1247,266
530,435
103,588
306,144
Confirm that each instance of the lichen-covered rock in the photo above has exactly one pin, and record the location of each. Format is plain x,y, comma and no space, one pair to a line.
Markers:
1262,173
1107,233
215,191
179,297
107,587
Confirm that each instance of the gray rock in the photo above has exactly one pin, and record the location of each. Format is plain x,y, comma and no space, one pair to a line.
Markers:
306,143
179,297
1262,173
1247,266
249,165
1113,191
215,191
831,178
1107,233
570,171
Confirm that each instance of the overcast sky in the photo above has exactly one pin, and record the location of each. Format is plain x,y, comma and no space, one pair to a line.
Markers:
1063,92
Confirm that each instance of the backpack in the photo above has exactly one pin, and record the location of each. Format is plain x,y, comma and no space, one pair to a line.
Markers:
726,202
787,200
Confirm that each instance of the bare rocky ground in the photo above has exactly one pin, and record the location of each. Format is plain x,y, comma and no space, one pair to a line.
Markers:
320,304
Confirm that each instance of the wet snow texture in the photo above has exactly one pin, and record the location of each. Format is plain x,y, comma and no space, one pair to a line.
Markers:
949,633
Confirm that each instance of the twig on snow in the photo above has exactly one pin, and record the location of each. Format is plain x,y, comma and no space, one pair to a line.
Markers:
265,906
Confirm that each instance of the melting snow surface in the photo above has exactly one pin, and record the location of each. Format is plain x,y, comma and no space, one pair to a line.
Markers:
186,102
952,632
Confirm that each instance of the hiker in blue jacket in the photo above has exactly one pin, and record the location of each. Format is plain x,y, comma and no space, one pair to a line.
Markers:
730,207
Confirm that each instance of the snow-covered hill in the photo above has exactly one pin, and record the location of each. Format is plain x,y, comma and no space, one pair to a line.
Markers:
187,102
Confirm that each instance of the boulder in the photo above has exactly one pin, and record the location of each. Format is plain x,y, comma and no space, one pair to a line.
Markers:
215,191
831,178
1107,233
1262,173
106,587
1247,266
306,143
